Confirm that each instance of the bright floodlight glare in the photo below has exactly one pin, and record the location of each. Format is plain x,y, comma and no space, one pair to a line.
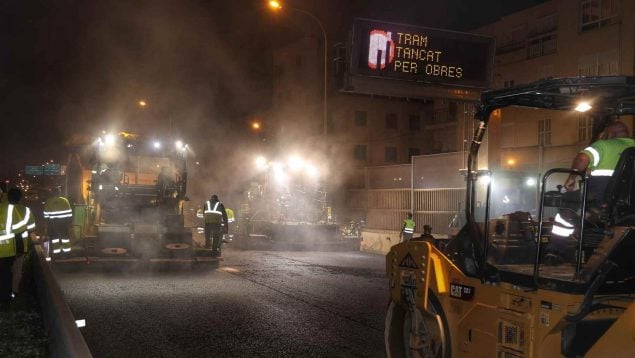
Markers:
296,163
583,107
275,5
178,144
312,171
109,139
278,173
530,182
485,179
156,144
261,162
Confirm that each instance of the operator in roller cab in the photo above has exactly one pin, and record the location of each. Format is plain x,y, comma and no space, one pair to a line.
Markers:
599,161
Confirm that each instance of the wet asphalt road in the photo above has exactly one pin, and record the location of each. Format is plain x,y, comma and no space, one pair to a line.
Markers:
257,303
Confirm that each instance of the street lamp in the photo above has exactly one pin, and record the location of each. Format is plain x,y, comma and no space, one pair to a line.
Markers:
277,6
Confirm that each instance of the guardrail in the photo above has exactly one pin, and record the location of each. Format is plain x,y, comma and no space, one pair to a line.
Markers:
65,339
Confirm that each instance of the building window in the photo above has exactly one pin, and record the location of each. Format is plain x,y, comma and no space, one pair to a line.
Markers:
452,111
359,152
546,24
597,13
585,128
414,122
542,46
599,64
412,152
391,154
544,131
391,121
360,118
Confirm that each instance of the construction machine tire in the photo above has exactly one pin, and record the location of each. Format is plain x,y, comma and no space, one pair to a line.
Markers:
433,340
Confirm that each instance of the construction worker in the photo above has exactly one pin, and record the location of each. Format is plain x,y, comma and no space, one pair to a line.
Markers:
427,235
22,233
10,219
59,216
216,224
408,229
600,159
230,219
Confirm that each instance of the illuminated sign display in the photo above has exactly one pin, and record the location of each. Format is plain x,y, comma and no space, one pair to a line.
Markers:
413,53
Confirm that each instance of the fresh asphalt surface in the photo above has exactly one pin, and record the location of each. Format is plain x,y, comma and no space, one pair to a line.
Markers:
256,303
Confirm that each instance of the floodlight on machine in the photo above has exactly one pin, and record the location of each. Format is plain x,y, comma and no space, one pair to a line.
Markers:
179,145
485,179
109,139
530,182
261,163
156,144
279,174
296,163
312,171
583,107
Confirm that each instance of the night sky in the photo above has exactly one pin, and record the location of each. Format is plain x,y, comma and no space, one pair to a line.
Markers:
79,67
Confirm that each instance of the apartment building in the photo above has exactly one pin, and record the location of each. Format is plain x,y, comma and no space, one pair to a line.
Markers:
559,38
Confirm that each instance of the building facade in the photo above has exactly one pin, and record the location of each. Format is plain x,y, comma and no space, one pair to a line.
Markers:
559,38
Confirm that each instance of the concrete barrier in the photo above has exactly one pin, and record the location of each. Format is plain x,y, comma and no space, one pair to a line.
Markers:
65,339
378,241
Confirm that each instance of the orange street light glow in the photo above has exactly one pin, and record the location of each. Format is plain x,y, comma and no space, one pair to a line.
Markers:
511,161
143,103
275,5
255,125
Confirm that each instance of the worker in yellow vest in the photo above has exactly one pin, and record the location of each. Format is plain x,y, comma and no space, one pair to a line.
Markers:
216,224
22,236
10,219
408,228
59,216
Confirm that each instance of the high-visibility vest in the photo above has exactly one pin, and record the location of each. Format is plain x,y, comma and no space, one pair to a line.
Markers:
9,218
409,226
604,155
230,215
212,213
57,207
26,225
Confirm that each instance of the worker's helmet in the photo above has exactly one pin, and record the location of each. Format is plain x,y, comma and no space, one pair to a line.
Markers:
14,195
214,197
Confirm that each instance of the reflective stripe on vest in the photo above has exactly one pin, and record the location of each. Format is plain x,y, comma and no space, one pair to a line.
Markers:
409,230
595,154
209,210
7,225
602,173
58,214
562,227
24,221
